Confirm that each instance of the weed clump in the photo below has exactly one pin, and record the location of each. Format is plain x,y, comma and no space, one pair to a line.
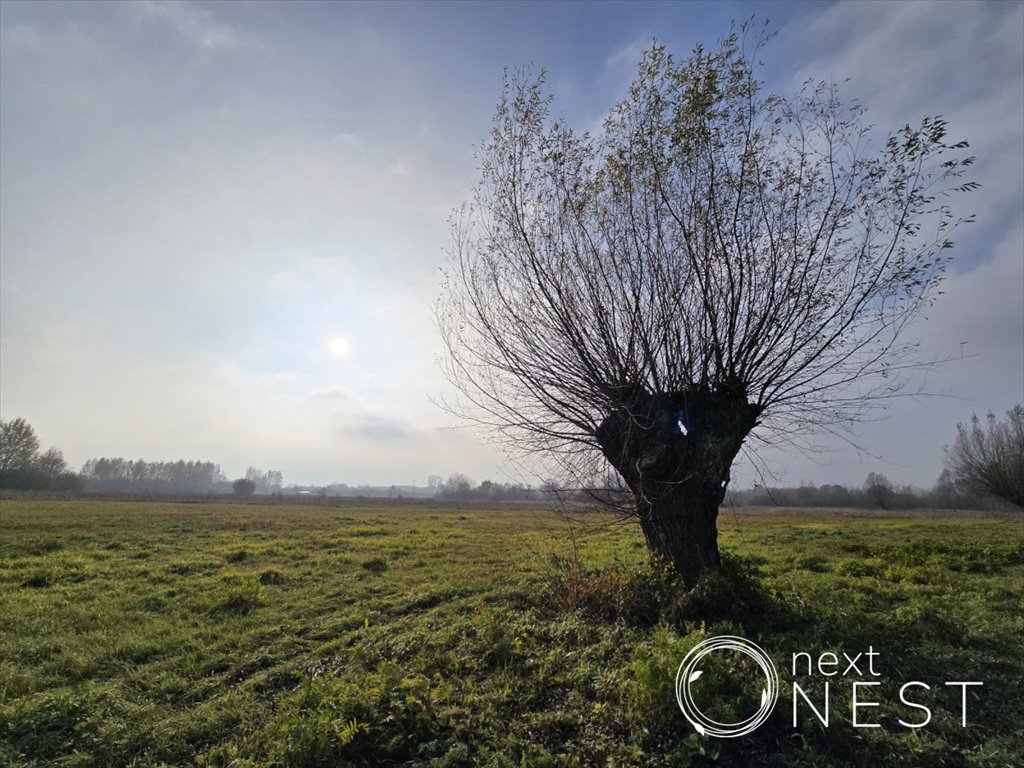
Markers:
271,576
813,563
39,578
45,725
653,591
330,720
376,565
496,643
928,623
240,595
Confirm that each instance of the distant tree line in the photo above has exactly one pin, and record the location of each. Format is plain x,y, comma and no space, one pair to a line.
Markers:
459,486
877,492
24,467
118,475
984,468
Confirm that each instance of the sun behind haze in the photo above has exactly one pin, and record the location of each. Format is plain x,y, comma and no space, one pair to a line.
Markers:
339,346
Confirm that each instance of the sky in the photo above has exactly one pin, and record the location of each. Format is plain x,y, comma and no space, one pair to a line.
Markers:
222,224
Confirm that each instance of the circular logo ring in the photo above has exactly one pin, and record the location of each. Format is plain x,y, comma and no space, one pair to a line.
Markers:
688,672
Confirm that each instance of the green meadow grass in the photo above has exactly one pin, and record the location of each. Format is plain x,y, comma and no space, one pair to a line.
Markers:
167,634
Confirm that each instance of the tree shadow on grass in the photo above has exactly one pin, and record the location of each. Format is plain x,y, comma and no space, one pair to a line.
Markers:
914,642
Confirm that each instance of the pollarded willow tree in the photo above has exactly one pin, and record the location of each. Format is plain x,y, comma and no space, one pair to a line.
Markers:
717,263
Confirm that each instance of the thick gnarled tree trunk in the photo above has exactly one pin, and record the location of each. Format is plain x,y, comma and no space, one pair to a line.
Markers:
681,528
674,452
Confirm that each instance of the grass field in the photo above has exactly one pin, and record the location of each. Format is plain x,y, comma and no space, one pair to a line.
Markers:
159,634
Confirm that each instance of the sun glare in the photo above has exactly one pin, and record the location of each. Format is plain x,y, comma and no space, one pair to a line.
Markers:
338,346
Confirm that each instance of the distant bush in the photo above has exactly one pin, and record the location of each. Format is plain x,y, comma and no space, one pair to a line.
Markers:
990,460
32,479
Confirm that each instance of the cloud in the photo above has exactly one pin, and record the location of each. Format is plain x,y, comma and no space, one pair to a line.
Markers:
196,25
346,139
963,61
374,427
398,168
624,59
985,308
22,36
335,394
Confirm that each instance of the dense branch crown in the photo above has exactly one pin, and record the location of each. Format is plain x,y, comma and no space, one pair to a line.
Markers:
711,236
